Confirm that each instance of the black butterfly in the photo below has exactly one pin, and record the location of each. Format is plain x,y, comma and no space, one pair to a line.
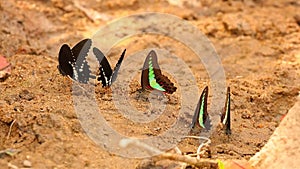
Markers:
201,117
225,117
72,62
106,75
152,78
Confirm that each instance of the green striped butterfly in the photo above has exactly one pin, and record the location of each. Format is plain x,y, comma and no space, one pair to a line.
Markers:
201,118
225,117
152,78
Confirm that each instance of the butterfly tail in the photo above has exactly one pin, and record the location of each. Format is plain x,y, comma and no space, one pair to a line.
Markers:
117,67
165,83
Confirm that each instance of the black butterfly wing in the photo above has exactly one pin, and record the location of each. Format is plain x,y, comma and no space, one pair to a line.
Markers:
150,70
225,117
117,67
66,61
201,117
82,69
105,71
145,73
82,48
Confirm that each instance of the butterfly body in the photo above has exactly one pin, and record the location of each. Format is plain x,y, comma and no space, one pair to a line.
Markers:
72,62
152,78
106,75
225,116
201,117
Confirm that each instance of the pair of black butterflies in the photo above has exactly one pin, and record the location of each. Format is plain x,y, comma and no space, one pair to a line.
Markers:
73,63
201,117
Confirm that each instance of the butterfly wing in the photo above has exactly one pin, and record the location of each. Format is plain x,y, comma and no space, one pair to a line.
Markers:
225,117
105,71
152,77
145,73
80,52
201,117
66,61
166,83
82,48
117,67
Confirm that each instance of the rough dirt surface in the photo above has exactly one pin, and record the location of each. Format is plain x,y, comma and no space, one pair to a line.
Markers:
258,42
282,149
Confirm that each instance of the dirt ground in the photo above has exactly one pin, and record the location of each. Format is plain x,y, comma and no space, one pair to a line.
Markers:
258,42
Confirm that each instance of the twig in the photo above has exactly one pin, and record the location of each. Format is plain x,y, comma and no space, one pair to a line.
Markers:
189,160
10,165
177,150
10,152
175,157
10,127
198,137
208,141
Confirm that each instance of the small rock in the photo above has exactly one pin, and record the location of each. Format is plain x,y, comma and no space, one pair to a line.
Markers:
11,99
19,108
266,51
237,25
246,114
157,129
25,94
27,163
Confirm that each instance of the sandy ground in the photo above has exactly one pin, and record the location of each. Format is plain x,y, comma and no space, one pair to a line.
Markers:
258,42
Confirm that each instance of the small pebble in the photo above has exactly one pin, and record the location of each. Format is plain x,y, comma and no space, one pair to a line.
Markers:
27,163
25,94
246,114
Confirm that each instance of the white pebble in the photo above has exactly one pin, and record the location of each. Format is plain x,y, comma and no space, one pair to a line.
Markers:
27,163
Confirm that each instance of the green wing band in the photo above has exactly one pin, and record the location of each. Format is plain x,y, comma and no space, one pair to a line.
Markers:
152,80
201,113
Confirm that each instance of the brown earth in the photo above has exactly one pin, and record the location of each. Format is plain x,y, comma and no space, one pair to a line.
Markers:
258,42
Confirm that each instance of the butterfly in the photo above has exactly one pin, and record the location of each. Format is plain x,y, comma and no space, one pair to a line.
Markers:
225,116
106,75
152,78
72,62
201,118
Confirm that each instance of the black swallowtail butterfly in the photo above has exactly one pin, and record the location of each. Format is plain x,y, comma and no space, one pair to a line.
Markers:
106,75
72,62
